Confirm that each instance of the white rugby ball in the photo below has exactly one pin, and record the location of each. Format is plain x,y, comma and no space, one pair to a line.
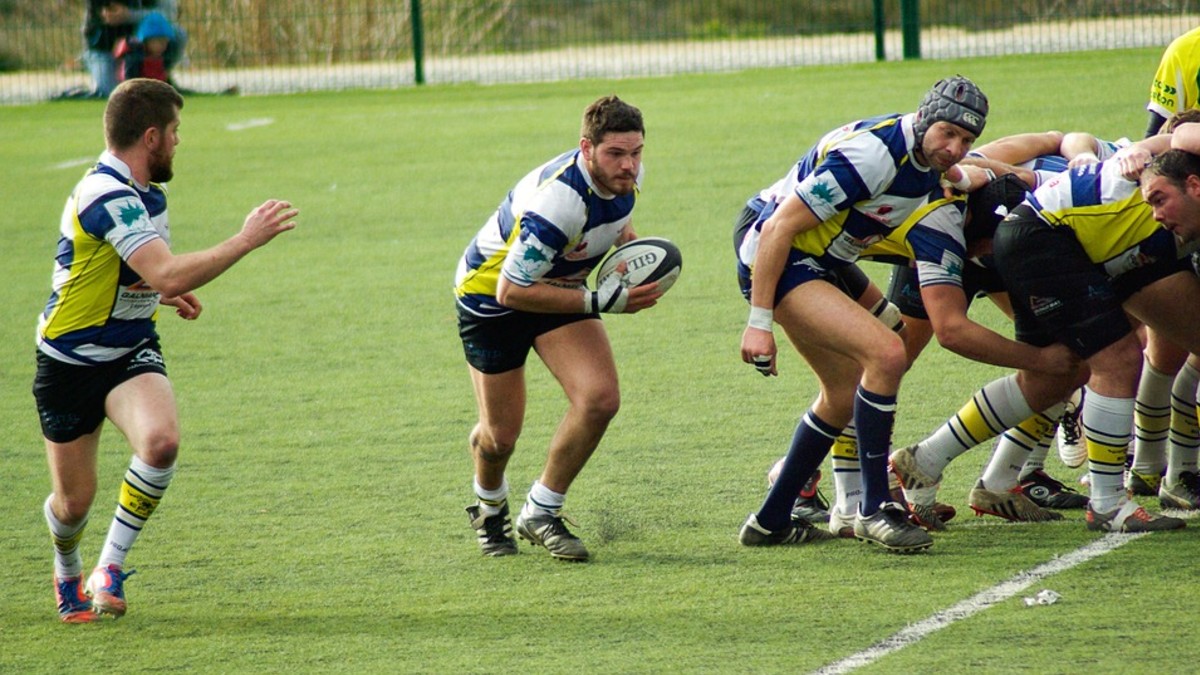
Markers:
647,259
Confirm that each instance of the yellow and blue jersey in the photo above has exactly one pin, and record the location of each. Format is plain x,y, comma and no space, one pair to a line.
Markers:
932,238
1108,216
553,227
862,181
1176,85
99,308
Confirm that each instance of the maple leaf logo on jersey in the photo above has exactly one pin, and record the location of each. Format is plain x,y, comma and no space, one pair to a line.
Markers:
131,213
533,255
821,190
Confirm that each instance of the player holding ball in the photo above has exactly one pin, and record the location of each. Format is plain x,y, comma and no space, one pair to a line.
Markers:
521,285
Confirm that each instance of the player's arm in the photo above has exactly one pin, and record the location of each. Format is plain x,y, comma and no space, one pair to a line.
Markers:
775,243
946,305
1079,148
545,298
174,275
1000,169
1020,148
1186,137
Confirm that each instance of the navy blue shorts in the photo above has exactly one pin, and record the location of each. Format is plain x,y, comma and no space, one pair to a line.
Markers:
850,279
904,288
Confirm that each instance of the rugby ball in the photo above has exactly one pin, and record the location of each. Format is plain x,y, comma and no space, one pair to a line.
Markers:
647,259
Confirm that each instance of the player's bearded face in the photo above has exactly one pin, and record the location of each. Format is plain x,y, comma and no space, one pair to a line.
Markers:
945,144
614,163
161,170
162,154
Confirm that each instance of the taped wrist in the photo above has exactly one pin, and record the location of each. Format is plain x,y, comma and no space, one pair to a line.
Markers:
610,296
760,318
888,314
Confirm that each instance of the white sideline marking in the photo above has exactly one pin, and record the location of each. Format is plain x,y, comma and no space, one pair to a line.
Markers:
70,163
979,602
250,124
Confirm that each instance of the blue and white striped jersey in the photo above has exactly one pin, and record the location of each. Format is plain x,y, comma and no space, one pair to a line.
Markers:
553,227
99,308
933,238
862,181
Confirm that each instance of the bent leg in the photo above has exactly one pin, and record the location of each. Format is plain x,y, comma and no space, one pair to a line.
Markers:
500,399
581,359
143,408
73,485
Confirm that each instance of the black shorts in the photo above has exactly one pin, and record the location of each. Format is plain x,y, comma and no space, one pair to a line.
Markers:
904,288
499,344
70,398
1058,293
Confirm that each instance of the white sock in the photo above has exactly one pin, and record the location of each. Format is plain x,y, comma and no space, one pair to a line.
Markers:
490,501
67,560
998,406
141,491
1108,426
1152,415
1184,438
543,500
848,491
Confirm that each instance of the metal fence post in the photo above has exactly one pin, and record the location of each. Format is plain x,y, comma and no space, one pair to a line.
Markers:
910,27
418,42
880,25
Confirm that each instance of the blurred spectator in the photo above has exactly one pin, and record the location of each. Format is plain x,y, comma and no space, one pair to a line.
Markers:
105,23
150,52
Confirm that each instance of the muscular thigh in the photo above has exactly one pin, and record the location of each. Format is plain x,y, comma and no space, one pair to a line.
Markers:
579,356
822,322
1167,307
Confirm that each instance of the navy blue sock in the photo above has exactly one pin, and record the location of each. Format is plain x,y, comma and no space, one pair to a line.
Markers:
874,416
810,444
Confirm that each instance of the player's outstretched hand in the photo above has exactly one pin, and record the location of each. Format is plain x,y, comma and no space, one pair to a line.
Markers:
272,218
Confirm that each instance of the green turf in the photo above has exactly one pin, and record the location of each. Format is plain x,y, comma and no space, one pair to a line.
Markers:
316,521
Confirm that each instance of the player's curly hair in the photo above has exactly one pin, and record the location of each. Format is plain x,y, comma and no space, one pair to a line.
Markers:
1175,166
137,105
1181,117
610,115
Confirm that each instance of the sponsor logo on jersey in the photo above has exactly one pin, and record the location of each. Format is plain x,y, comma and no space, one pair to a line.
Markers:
580,252
820,190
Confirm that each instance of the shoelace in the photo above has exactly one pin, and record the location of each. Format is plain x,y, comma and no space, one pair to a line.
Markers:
1070,427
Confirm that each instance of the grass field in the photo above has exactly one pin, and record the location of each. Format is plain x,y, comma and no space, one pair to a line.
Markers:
316,523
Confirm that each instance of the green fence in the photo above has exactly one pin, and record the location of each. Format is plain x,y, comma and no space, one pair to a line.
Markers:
267,46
